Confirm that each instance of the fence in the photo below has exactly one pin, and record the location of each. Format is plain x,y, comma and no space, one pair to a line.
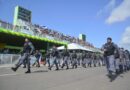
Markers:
8,58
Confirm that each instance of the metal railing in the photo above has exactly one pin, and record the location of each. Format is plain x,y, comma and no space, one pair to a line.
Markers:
9,58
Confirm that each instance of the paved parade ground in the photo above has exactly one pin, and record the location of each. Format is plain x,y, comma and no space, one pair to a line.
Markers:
77,79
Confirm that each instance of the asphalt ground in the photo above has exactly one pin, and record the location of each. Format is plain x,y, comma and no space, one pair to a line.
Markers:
94,78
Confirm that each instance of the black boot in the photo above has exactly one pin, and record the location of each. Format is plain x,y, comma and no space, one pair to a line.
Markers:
57,69
14,69
49,68
67,68
29,71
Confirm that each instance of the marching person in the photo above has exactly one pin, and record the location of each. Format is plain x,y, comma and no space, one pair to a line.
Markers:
109,52
38,56
84,59
127,59
79,57
65,59
94,59
74,60
122,65
54,57
117,61
28,49
89,61
48,57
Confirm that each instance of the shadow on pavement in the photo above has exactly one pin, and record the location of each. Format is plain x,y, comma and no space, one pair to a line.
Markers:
40,71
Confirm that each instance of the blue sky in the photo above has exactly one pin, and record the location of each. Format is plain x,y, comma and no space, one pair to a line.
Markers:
95,18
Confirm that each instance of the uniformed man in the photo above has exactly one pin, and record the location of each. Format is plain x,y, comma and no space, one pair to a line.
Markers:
54,57
79,57
47,57
109,52
28,49
89,61
122,65
65,59
38,56
84,59
94,59
127,59
74,60
117,61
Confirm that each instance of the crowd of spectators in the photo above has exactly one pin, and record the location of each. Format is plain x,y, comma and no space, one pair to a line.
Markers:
44,31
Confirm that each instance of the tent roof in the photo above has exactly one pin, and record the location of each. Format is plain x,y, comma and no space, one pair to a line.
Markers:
74,46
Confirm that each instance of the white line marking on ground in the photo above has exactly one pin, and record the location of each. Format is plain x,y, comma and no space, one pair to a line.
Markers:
9,74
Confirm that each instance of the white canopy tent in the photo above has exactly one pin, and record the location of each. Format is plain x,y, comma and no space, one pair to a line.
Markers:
74,46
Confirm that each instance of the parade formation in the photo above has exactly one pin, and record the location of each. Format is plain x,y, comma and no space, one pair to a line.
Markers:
43,43
116,60
64,45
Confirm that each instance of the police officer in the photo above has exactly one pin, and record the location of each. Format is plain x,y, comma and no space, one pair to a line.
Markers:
74,60
117,61
59,58
38,55
84,59
127,59
79,57
89,61
48,56
65,59
54,57
122,65
94,59
28,49
109,51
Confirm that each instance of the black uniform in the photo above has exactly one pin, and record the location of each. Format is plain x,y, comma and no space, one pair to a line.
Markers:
84,59
55,56
38,55
27,51
74,60
65,59
48,54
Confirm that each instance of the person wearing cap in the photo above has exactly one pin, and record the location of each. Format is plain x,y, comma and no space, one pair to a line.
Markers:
74,60
89,60
109,49
48,57
126,53
79,57
38,56
28,49
84,56
65,59
122,65
94,59
54,55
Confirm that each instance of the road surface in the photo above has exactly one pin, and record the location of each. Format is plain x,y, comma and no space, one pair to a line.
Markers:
73,79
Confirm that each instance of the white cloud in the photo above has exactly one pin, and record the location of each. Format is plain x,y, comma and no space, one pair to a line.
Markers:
120,13
125,40
107,8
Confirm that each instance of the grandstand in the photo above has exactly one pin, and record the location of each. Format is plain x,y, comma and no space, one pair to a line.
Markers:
12,35
10,38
